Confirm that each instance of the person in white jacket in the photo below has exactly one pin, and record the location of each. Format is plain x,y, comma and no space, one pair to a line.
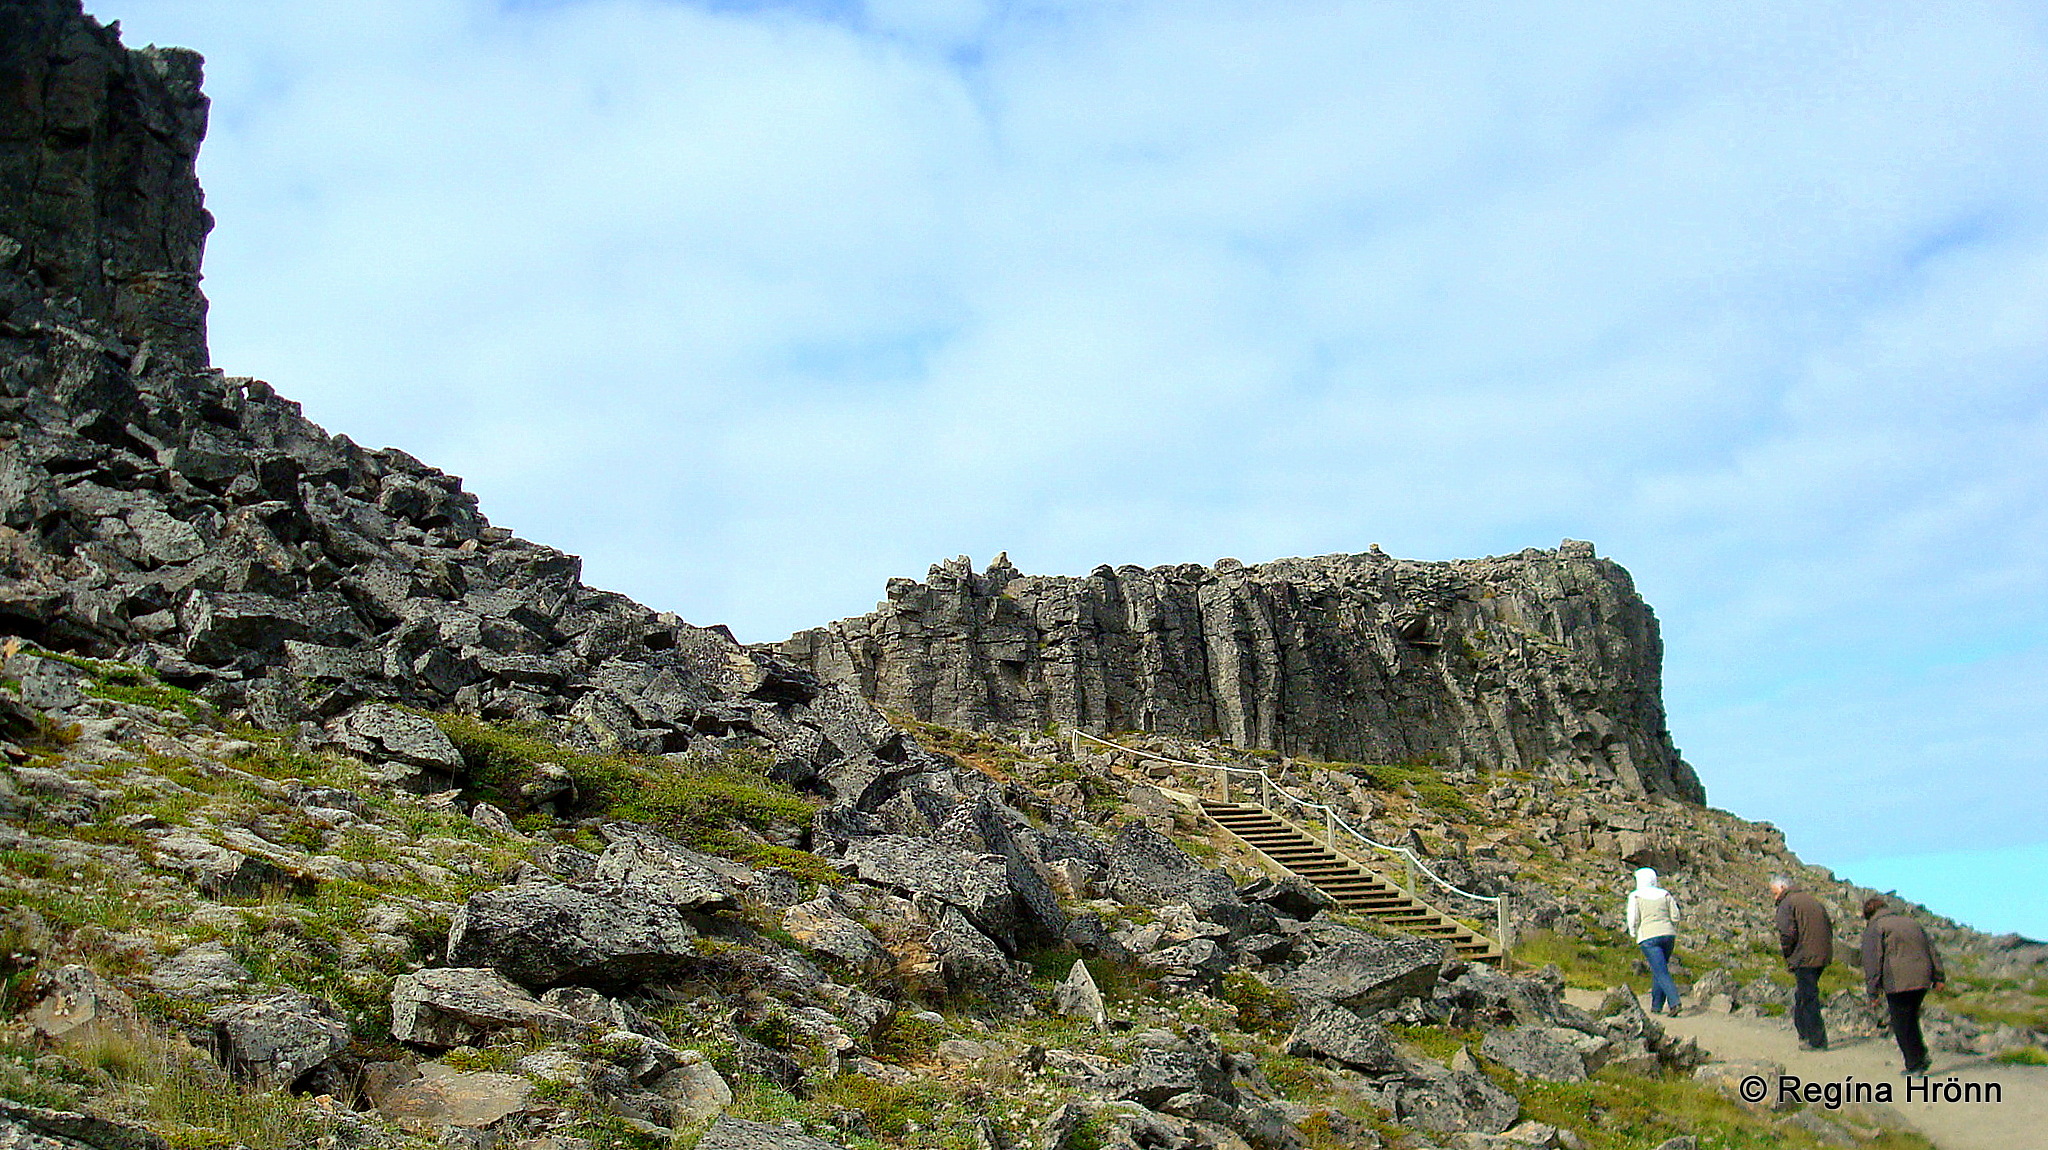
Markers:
1653,923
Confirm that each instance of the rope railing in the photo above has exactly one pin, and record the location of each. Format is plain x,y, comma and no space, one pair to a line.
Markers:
1267,789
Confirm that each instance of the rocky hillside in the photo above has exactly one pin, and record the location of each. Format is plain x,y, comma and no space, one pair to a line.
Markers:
198,524
331,815
1545,661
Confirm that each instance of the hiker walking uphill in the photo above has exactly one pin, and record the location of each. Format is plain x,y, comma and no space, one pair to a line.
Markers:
1653,923
1900,963
1806,936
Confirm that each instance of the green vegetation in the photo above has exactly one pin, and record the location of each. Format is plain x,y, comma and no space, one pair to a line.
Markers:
502,757
1262,1008
972,749
2024,1056
1422,777
179,1092
127,683
1590,964
717,803
1614,1110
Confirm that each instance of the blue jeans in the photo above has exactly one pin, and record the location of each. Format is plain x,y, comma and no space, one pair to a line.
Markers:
1662,989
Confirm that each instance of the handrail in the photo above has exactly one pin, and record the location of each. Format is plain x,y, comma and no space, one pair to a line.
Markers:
1270,787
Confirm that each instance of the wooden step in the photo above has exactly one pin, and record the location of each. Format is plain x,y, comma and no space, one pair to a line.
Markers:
1351,885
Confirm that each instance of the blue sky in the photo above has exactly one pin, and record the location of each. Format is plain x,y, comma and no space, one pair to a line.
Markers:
755,305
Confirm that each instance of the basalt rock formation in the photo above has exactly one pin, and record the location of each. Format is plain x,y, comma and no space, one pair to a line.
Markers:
1545,660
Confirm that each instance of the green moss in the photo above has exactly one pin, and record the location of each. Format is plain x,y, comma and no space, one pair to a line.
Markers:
2024,1056
1262,1008
1438,1042
502,757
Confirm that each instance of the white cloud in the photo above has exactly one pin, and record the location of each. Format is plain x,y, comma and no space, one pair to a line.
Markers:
757,306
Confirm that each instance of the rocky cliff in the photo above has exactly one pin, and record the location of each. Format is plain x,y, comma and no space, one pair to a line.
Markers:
157,509
1546,660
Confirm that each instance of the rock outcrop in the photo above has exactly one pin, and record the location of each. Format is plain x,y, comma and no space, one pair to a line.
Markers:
1544,660
155,509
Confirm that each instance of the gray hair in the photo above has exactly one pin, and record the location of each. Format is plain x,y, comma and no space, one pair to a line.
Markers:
1781,880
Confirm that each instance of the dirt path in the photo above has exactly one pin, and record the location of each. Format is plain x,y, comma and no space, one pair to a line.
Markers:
2019,1122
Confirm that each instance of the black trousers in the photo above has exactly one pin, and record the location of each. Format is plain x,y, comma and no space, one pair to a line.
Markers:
1905,1012
1806,1006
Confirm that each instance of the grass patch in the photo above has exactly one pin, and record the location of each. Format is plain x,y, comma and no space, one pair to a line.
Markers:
502,757
127,683
1422,776
1618,1111
971,749
2023,1056
1589,964
1262,1008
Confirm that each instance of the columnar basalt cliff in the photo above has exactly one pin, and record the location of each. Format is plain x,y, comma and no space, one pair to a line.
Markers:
1545,660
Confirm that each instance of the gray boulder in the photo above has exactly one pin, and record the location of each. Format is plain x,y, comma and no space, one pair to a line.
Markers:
217,870
1328,1030
598,1012
46,684
204,970
381,731
979,886
740,1134
666,872
24,1127
972,963
1077,996
454,1006
1451,1101
1145,868
1162,1071
1369,972
277,1040
541,935
1292,896
1536,1051
824,926
1195,963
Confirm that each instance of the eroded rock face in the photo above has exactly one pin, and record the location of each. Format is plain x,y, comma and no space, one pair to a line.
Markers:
1540,660
156,510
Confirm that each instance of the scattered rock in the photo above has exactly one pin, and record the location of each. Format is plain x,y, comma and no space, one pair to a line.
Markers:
1328,1030
279,1040
455,1006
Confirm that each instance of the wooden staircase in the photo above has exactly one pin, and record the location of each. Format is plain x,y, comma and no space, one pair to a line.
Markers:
1355,888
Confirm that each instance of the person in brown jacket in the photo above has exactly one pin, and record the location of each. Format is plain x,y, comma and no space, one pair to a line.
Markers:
1900,963
1806,935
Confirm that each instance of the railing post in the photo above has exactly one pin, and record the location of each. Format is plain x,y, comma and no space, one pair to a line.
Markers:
1408,862
1500,927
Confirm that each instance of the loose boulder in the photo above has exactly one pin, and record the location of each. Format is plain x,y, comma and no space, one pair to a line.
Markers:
540,935
1328,1030
278,1040
1536,1051
454,1006
1368,972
